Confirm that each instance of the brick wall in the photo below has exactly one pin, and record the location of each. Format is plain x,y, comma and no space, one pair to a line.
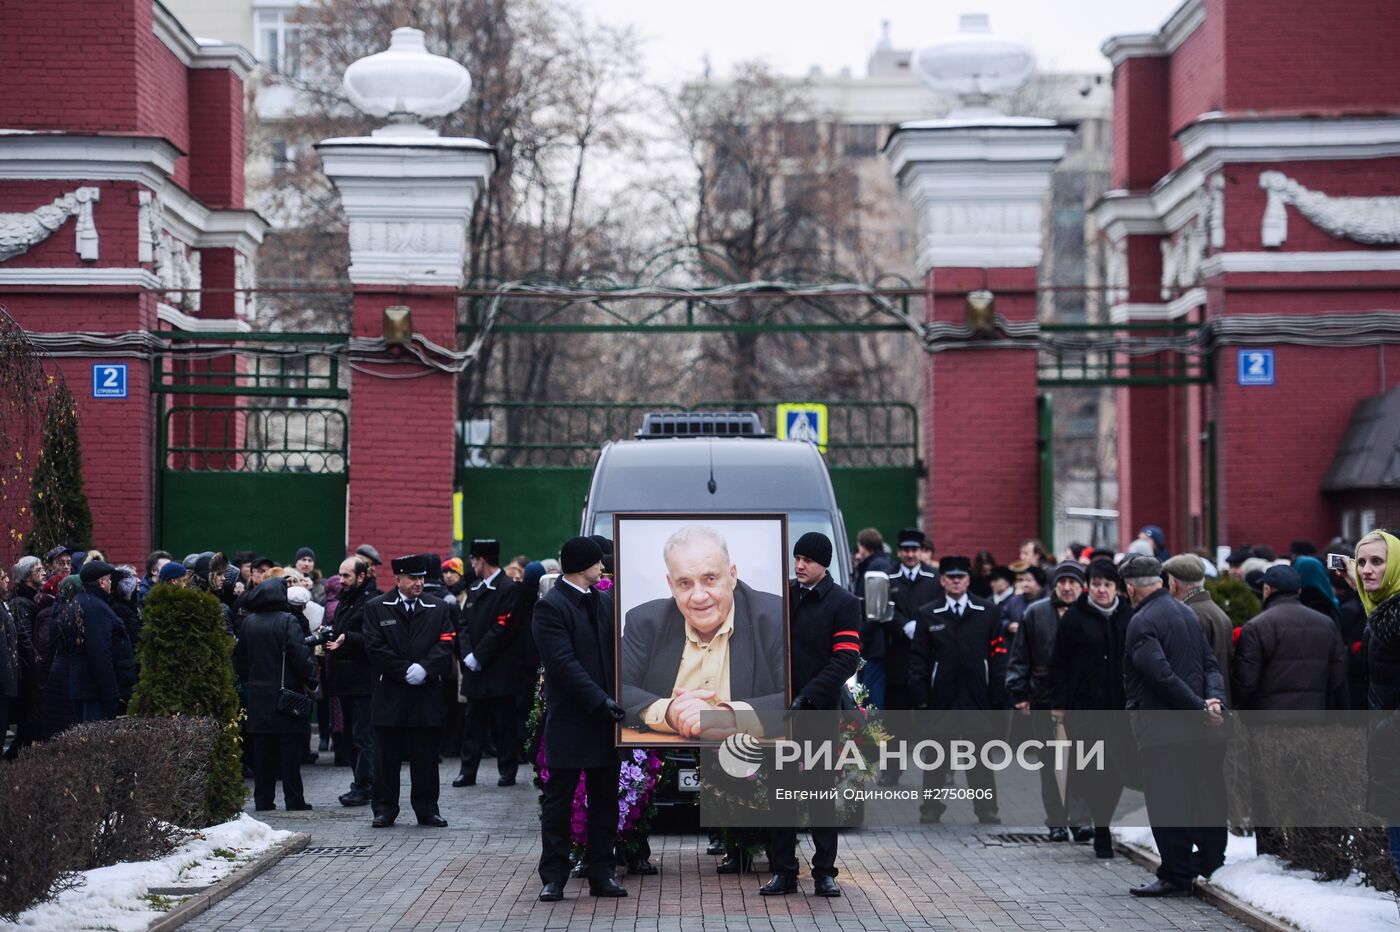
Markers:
1197,74
215,118
1140,123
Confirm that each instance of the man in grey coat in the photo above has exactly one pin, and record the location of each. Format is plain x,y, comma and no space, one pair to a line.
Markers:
1186,576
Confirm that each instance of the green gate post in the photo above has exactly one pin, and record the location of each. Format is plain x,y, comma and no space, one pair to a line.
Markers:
1045,453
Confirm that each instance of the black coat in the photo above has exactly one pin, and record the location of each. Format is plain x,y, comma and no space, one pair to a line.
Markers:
1028,662
105,667
958,663
491,631
1289,657
1383,758
395,641
872,633
1351,618
875,563
908,597
576,651
347,667
1086,668
653,641
824,642
11,656
269,634
1168,665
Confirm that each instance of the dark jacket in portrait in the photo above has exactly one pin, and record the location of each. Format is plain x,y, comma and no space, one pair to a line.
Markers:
653,641
575,640
491,630
395,639
269,634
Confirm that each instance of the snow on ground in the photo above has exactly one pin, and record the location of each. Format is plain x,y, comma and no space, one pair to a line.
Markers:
1291,895
115,897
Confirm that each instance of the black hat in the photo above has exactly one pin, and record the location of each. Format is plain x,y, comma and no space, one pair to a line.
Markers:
578,554
1103,569
1303,548
955,566
304,552
603,543
1070,568
369,553
1254,579
242,556
433,561
93,570
1282,579
910,537
415,564
815,546
261,563
1237,556
56,552
1004,574
487,550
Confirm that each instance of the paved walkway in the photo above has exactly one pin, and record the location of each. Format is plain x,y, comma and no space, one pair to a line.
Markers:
479,873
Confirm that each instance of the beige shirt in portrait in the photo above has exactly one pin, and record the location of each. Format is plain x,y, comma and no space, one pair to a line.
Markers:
705,666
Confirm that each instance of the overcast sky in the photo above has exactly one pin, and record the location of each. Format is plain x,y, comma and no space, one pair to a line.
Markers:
794,35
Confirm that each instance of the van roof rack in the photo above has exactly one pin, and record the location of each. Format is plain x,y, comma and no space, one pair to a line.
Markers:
660,424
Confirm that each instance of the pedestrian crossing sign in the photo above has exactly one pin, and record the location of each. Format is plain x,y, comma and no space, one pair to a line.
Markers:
803,422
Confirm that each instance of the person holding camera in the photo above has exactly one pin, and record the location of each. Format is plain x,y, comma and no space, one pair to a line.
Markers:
348,675
408,637
273,659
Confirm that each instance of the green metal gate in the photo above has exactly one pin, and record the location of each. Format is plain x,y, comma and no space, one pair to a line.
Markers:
524,467
265,465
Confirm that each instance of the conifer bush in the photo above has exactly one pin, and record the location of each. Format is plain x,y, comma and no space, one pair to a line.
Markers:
186,659
1236,598
57,501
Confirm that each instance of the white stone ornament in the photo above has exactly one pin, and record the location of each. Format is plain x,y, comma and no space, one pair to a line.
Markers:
974,65
21,232
1373,220
405,83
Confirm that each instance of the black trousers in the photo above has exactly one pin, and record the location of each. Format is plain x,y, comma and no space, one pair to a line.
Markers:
420,746
278,756
496,716
557,812
355,711
782,842
978,778
1185,794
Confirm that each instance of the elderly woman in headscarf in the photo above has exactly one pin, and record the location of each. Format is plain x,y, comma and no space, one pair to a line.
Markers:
1375,572
1317,592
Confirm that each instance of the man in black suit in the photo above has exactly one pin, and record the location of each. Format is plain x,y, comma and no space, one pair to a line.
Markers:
408,637
912,586
716,646
573,628
491,646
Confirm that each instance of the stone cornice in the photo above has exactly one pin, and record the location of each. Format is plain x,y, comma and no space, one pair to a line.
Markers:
194,54
1176,30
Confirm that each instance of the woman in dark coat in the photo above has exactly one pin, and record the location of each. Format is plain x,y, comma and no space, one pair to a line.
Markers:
1375,571
270,653
1086,675
58,639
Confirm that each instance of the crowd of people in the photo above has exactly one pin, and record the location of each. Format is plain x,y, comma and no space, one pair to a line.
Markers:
446,663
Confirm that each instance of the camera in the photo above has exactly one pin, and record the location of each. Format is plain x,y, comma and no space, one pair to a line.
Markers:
1335,561
319,637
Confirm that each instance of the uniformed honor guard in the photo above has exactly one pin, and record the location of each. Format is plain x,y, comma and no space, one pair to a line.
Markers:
409,638
573,627
912,586
492,648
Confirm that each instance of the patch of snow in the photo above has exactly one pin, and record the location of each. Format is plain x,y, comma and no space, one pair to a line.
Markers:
112,897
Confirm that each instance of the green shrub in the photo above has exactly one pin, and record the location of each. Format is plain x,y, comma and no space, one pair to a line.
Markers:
1236,598
186,659
56,499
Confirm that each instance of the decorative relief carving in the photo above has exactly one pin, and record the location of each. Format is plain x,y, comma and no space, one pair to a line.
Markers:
1115,272
21,232
1181,259
1215,211
1373,220
244,277
407,237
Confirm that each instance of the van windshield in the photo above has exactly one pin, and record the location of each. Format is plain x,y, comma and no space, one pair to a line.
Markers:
799,523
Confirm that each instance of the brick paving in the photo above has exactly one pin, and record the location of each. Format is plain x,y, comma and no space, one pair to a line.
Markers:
479,873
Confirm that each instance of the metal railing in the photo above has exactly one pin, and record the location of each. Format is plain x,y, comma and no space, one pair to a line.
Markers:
217,438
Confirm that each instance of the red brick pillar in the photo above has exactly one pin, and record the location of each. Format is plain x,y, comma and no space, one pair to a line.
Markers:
978,187
409,201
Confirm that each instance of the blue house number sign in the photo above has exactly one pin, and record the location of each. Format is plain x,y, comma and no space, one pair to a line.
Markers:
109,380
1256,367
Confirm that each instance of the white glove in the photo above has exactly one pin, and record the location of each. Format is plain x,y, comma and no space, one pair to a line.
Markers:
471,663
909,630
415,675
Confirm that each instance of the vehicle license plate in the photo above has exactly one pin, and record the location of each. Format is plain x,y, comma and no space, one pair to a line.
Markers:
688,781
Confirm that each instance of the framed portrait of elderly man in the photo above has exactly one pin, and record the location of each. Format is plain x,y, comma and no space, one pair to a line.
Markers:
702,625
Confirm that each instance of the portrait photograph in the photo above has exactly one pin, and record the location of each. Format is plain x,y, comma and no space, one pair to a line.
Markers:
701,627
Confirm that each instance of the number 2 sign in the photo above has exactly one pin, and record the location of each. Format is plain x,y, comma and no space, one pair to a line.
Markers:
1256,367
109,380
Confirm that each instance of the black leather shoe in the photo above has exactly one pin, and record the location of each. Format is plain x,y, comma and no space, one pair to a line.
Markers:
1161,888
261,808
382,822
716,848
988,818
642,869
506,781
826,886
354,799
298,807
1059,834
608,886
780,885
434,821
552,893
1082,836
464,780
930,818
731,864
1103,843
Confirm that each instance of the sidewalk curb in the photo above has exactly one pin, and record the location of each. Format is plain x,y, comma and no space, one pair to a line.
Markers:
240,878
1227,903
